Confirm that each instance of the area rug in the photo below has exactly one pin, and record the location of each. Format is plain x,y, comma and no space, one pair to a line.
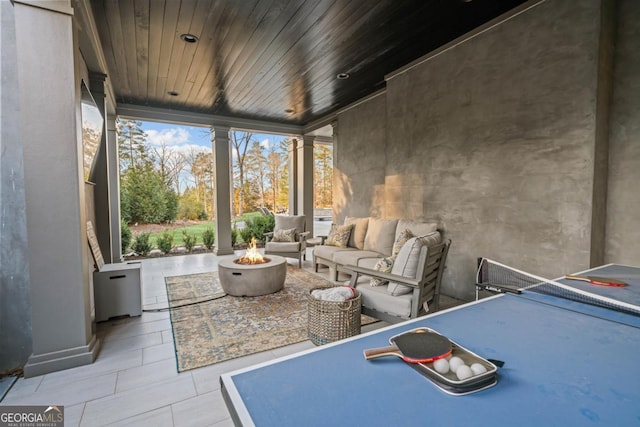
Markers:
210,327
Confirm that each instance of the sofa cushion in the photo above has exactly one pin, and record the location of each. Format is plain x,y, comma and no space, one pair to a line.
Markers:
406,263
356,240
378,298
417,228
384,265
339,235
353,257
380,235
284,235
327,252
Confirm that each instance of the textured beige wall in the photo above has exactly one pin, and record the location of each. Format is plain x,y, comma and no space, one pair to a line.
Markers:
495,138
623,206
359,169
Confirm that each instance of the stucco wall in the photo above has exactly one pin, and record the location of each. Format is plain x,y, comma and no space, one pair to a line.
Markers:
359,169
623,206
495,137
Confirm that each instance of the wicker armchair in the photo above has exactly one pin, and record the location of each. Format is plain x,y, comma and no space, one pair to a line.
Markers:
288,249
378,303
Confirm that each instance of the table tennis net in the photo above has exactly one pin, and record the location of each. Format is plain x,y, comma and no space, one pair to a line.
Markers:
497,277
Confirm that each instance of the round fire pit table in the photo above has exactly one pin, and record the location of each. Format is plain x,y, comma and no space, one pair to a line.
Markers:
250,280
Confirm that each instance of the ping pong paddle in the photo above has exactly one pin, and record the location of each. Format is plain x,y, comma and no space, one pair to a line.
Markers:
418,346
601,281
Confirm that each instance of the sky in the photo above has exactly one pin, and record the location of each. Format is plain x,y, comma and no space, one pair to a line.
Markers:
186,138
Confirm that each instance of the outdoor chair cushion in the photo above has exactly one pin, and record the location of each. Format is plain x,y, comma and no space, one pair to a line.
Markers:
406,263
378,298
287,222
282,247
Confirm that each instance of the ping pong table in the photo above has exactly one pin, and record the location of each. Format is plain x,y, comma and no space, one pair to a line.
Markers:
565,363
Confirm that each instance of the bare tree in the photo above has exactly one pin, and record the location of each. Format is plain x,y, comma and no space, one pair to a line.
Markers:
171,164
240,141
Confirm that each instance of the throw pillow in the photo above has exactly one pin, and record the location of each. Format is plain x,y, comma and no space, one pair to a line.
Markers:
402,238
384,265
339,235
406,263
284,235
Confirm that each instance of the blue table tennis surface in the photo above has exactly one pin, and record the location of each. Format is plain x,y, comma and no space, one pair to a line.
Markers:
566,364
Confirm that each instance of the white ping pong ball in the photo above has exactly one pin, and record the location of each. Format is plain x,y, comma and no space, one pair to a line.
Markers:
478,369
454,363
464,372
441,366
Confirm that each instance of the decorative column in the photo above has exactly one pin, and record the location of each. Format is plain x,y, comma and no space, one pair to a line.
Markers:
293,176
59,260
222,193
305,191
334,179
100,177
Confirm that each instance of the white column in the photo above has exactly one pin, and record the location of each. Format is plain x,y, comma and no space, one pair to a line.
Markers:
102,195
222,193
292,161
305,191
334,183
113,160
59,260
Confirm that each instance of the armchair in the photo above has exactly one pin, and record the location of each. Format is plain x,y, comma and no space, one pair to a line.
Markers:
424,286
288,238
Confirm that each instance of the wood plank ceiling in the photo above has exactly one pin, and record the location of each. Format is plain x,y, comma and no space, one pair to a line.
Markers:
274,60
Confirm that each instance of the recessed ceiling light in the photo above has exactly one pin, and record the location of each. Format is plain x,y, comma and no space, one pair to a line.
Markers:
289,111
173,93
343,76
189,38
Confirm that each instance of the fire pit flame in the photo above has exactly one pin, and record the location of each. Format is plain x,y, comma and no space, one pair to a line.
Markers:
252,256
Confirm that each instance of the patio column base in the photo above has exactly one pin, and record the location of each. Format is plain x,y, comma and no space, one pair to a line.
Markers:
62,359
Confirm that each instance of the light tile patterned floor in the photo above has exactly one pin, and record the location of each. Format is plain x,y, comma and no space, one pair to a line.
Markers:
134,381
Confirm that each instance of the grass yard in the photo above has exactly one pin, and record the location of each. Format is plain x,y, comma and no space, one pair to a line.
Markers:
195,228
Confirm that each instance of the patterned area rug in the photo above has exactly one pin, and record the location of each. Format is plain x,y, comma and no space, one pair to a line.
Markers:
210,326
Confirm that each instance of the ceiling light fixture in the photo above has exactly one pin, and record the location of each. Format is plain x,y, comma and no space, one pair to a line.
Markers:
343,76
189,38
173,93
289,111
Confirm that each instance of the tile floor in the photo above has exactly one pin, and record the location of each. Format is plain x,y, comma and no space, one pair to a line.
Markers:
134,380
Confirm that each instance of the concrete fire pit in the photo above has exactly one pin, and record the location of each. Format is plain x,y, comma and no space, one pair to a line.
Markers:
250,280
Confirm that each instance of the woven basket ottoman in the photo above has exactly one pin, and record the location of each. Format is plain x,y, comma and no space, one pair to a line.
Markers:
330,321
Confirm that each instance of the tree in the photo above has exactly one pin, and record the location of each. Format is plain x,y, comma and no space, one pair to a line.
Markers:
146,197
170,163
323,171
256,170
275,168
240,143
131,144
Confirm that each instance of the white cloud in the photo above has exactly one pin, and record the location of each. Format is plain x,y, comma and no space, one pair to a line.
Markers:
265,143
170,137
176,139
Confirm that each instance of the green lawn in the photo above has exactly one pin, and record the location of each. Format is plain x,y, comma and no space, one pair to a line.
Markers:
196,230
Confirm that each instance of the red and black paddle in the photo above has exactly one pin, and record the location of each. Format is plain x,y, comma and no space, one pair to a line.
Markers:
417,346
601,281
